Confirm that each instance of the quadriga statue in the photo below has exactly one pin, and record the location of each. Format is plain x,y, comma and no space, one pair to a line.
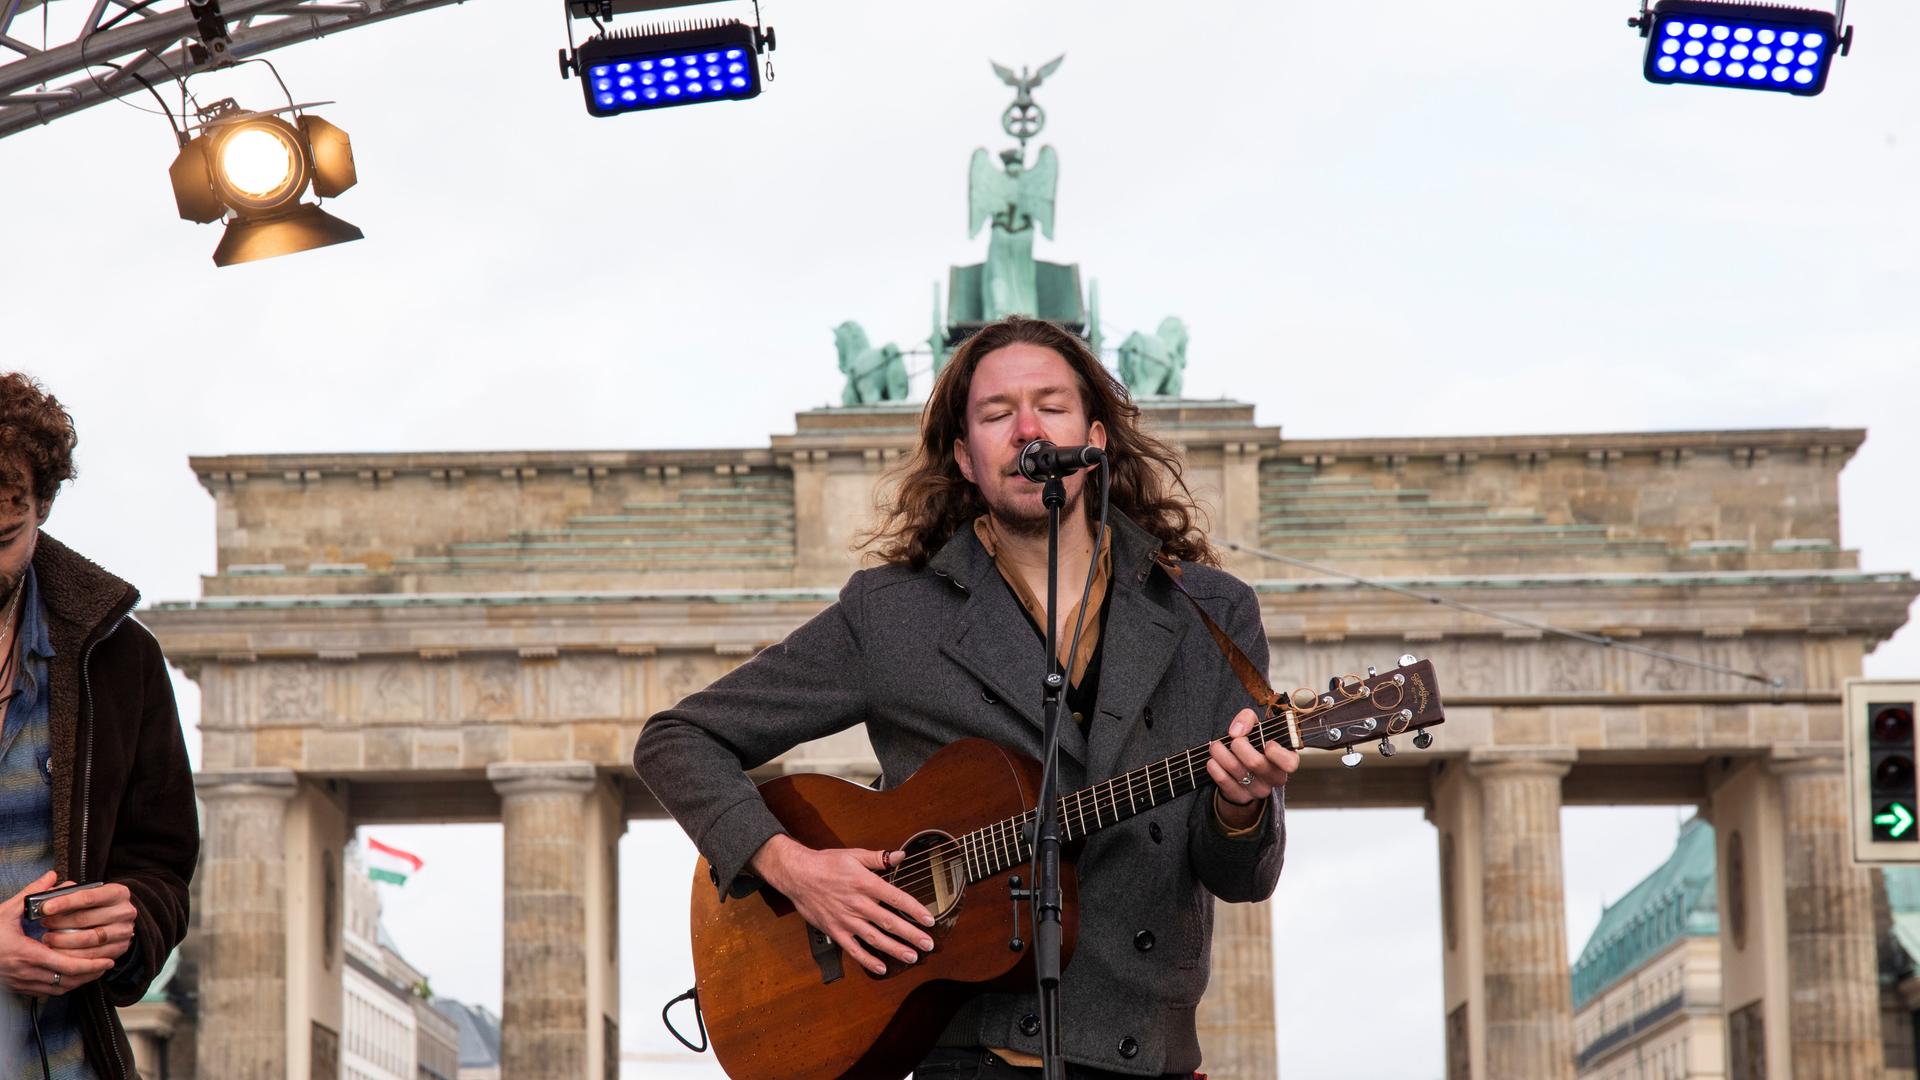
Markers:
1155,366
873,374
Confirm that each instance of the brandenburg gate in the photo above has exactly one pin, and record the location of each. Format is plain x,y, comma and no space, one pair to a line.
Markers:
457,637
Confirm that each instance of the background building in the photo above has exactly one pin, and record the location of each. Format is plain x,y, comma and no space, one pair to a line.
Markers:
389,1029
479,1039
1646,988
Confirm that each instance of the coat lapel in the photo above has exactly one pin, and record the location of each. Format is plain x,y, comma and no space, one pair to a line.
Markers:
1142,636
995,644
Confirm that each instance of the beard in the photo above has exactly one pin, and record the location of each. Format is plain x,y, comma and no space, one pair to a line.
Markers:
1017,520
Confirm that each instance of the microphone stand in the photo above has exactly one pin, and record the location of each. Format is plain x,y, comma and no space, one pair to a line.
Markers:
1047,902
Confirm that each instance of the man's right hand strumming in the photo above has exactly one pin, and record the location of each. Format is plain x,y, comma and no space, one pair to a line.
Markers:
840,892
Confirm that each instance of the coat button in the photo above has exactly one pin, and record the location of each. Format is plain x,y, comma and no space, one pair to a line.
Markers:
1144,942
1149,716
1153,830
1129,1046
1079,720
986,695
1030,1025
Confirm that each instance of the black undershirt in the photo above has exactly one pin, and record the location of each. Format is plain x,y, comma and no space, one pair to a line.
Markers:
1079,698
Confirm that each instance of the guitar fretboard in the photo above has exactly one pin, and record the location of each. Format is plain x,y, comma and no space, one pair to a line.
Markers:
1008,843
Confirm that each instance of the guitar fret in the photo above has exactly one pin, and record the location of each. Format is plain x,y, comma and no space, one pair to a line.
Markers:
1005,844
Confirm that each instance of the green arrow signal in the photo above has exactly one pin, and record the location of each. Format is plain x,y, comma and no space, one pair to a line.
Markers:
1898,816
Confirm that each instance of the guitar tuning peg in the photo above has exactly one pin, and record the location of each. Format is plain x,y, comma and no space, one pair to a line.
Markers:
1422,739
1371,672
1408,659
1351,758
1387,749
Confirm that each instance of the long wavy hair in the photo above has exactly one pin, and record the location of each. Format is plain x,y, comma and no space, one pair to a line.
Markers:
932,501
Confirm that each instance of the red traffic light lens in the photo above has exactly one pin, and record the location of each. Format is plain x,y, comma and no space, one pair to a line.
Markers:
1893,724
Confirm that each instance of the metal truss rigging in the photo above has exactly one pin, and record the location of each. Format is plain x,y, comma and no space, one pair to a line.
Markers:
157,40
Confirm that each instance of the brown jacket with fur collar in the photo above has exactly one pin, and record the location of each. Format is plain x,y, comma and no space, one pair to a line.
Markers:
123,808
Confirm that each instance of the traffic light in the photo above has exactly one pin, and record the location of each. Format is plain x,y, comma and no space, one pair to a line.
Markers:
1881,755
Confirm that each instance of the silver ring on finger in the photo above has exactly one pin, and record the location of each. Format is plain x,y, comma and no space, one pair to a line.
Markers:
56,980
1246,780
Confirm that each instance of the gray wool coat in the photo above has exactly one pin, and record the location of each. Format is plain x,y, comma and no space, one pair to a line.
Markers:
925,657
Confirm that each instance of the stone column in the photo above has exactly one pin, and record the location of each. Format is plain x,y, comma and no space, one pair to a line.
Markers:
1455,813
555,1005
1235,1020
1240,506
1529,1000
1834,1009
243,921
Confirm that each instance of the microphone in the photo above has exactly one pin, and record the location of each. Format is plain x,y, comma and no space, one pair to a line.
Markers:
1041,460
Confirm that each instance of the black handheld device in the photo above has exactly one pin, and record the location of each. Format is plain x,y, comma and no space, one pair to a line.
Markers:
36,905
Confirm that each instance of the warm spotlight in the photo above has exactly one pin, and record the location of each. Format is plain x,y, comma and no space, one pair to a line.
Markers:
255,167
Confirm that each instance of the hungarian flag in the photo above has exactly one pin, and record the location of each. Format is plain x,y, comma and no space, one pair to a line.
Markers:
390,864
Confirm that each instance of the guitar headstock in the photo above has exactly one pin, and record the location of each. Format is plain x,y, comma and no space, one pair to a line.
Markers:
1375,707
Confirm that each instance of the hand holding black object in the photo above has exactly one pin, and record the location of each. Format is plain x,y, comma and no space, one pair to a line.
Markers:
29,967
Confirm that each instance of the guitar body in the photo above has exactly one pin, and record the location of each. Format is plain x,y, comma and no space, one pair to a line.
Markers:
780,1005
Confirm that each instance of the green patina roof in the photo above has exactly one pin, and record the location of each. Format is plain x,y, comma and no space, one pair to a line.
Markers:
1675,901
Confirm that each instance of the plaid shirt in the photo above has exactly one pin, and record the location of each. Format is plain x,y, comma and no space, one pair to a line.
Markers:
26,845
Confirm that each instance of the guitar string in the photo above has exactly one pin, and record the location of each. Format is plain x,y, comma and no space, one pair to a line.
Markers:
1010,831
1074,803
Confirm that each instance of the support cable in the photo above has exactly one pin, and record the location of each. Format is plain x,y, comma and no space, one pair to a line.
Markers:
1602,640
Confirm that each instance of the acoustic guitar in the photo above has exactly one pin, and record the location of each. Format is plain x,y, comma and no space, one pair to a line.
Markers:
780,1002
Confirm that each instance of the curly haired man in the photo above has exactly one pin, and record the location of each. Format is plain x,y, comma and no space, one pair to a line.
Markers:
94,780
943,641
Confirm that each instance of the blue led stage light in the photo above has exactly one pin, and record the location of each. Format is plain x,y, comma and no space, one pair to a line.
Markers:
1745,46
632,71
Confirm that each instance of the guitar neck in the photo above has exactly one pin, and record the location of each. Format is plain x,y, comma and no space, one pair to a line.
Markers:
1009,843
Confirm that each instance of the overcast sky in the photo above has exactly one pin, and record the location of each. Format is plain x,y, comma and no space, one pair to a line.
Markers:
1377,217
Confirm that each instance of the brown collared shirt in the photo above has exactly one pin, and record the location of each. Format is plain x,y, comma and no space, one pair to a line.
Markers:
1036,606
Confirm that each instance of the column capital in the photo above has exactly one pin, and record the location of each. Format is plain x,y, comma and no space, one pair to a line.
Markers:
1553,763
246,783
542,777
1799,761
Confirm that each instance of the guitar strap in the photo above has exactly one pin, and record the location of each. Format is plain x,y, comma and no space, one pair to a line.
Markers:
1250,677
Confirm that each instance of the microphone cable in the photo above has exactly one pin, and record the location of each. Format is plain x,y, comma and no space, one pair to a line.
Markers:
39,1043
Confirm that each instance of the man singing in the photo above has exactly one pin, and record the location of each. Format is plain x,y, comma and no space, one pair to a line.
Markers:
944,640
94,781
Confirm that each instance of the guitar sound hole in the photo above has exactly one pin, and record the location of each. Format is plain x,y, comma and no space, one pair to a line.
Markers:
935,873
